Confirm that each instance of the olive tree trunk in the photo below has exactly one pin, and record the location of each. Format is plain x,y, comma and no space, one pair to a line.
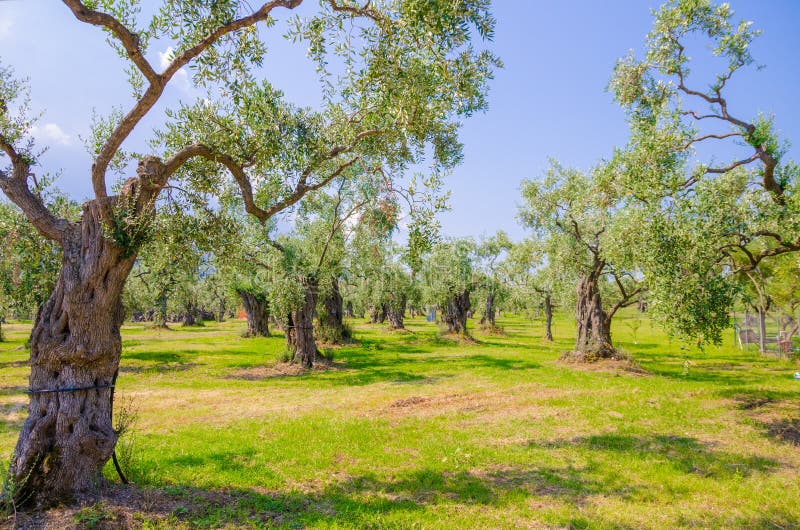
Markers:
594,324
548,318
160,316
396,313
488,317
190,315
377,313
300,328
331,322
455,313
256,307
75,351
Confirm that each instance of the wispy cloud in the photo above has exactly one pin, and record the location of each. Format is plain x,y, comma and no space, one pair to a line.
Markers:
181,77
51,133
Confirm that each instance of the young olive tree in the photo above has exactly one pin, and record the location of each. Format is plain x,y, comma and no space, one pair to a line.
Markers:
703,222
587,236
490,253
396,77
382,283
532,282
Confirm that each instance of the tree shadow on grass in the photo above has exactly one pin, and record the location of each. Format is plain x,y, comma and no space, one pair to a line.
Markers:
685,454
15,364
369,501
355,501
158,361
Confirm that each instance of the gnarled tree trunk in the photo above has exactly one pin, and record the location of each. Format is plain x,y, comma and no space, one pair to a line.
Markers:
377,314
455,312
190,315
548,318
300,327
331,323
160,316
75,351
488,318
594,324
256,307
396,312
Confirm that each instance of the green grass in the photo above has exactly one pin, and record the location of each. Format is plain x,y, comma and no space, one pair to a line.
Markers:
413,431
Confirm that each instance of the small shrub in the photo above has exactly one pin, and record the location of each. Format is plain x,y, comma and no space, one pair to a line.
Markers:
127,416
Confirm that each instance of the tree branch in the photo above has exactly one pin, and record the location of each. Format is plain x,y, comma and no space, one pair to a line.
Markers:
128,39
15,187
157,82
709,136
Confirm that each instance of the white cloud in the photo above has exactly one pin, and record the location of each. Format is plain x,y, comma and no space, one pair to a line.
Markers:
166,57
181,78
51,133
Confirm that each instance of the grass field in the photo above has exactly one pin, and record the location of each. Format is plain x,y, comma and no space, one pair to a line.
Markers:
411,431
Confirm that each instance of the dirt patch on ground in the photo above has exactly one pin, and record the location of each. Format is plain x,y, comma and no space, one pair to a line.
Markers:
258,373
752,402
785,430
462,340
489,405
614,366
409,402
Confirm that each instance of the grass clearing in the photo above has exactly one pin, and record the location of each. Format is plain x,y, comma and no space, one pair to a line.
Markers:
411,430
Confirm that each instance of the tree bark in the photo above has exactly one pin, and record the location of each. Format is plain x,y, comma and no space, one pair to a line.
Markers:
762,330
594,324
348,311
75,351
256,307
488,317
396,313
160,316
190,315
221,311
377,314
331,323
548,318
455,312
300,328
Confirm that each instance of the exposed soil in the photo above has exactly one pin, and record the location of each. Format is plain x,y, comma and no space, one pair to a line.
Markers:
258,373
616,366
785,430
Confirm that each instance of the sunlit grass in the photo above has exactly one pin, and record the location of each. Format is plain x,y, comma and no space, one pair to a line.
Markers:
412,429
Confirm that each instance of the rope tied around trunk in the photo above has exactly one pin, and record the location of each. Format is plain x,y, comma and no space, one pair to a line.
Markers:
68,389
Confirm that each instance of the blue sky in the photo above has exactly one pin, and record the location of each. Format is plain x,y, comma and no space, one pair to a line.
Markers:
548,101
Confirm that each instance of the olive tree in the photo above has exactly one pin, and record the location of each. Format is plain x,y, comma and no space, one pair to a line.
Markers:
308,268
396,75
531,281
587,235
705,221
490,253
450,277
